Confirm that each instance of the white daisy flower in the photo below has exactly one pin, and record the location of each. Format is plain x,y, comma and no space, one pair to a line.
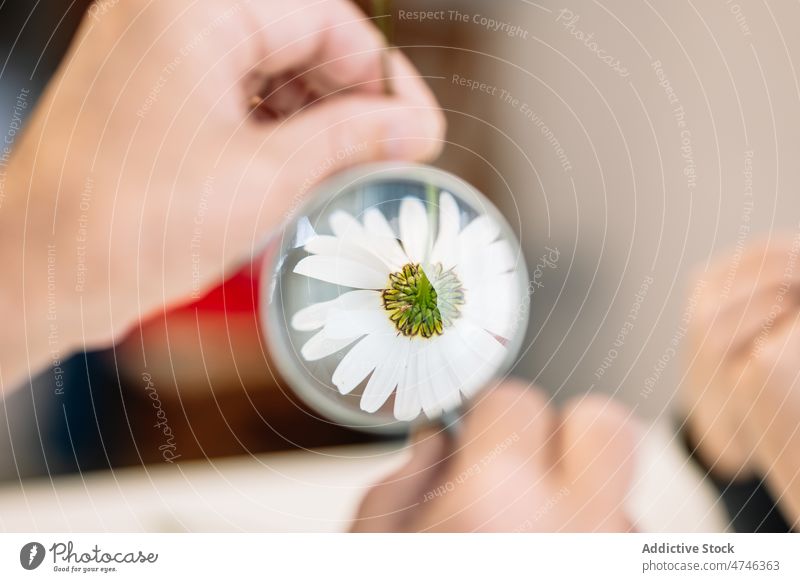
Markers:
427,320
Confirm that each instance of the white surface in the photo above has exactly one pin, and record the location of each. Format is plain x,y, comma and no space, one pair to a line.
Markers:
669,494
295,491
400,558
311,491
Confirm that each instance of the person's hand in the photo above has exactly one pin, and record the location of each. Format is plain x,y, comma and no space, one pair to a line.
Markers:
149,171
742,397
517,464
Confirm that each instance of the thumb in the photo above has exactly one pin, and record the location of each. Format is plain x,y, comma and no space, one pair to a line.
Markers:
327,137
390,504
349,129
353,126
599,440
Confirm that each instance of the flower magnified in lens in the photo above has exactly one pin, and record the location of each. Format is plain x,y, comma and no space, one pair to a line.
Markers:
430,311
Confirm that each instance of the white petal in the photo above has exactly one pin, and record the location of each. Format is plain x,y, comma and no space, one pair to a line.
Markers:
473,241
341,271
499,257
503,324
376,224
382,244
406,401
445,251
481,264
384,239
473,353
345,225
312,317
496,304
422,382
343,323
480,232
494,300
386,376
320,346
441,378
360,361
334,246
414,230
362,298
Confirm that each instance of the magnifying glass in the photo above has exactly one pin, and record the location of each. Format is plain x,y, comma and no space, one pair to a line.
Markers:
397,293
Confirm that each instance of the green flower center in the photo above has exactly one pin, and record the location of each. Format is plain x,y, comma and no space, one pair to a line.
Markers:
416,307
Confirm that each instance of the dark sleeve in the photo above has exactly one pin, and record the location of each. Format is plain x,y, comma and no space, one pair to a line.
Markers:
750,506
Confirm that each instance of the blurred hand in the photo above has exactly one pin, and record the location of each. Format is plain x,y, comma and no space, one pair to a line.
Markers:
149,171
517,464
742,397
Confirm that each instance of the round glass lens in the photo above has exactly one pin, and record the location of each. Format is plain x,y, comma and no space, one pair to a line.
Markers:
395,294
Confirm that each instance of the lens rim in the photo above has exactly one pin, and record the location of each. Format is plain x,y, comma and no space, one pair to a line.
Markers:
319,197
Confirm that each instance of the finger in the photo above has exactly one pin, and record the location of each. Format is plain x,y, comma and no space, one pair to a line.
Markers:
717,437
769,253
500,474
751,310
408,125
767,297
730,322
770,415
390,504
306,149
745,296
331,40
598,441
514,412
764,264
707,396
352,129
759,256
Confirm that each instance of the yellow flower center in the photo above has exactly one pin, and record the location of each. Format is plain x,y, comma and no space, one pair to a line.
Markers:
416,307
